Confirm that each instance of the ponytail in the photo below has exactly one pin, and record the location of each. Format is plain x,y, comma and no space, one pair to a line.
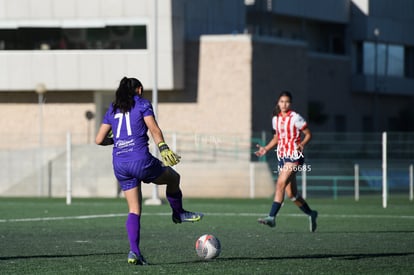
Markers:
124,95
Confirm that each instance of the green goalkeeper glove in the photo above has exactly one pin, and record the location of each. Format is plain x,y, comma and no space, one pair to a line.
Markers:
109,139
169,158
110,134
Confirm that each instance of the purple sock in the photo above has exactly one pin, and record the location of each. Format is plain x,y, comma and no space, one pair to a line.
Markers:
133,229
176,202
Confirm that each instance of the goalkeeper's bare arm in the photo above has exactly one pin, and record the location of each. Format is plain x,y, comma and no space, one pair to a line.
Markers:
104,136
169,158
154,129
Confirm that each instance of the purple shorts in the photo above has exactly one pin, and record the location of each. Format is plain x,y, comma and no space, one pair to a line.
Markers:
130,173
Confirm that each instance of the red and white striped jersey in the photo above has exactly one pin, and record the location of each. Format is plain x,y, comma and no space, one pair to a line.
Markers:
288,130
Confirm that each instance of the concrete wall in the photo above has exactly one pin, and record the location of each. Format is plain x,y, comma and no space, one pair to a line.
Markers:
61,112
222,102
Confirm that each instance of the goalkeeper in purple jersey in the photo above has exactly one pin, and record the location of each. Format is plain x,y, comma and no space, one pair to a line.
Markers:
125,125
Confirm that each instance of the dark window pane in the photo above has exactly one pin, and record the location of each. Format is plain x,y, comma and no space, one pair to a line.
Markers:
109,37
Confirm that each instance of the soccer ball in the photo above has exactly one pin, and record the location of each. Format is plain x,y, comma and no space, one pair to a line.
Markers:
208,247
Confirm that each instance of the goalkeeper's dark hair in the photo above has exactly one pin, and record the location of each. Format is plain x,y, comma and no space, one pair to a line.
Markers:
276,110
124,96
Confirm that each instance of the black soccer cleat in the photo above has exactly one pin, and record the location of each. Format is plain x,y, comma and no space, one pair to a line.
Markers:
136,259
269,220
187,216
312,221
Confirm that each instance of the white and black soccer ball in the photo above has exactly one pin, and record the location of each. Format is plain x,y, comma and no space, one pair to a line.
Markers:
208,247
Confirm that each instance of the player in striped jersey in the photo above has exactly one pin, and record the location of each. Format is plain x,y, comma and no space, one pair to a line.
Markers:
128,119
288,126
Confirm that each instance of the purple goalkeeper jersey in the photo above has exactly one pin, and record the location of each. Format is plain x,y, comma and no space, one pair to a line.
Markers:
130,131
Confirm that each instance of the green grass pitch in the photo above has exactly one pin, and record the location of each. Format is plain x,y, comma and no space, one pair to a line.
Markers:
45,236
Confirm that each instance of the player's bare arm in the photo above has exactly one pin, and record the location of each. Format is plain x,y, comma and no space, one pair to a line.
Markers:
102,135
154,129
307,137
169,158
263,150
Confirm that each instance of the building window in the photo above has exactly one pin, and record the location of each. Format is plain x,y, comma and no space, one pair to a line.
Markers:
359,58
337,45
389,59
409,62
108,37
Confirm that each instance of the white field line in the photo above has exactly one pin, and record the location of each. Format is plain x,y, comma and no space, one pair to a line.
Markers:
86,217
